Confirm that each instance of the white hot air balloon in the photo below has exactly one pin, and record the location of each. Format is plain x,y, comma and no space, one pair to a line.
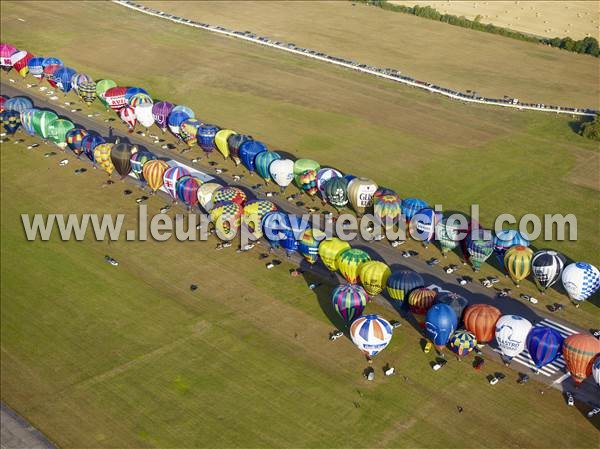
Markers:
511,335
581,280
360,193
324,175
205,194
371,334
282,172
143,113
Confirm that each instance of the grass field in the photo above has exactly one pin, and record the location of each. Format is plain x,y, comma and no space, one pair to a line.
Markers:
98,356
427,50
576,19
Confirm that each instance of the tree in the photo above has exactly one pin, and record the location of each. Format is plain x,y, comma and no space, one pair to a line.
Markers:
591,130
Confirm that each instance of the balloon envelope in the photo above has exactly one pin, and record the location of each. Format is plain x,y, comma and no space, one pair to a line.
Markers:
349,261
462,342
121,158
263,162
329,250
511,334
248,152
517,262
336,192
440,324
360,193
401,283
547,267
170,178
308,245
457,302
581,280
481,319
580,351
544,345
154,171
371,334
349,301
206,137
373,276
410,206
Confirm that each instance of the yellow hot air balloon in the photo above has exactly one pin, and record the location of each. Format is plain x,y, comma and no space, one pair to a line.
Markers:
373,276
221,141
102,157
154,172
329,250
226,217
254,211
517,262
349,262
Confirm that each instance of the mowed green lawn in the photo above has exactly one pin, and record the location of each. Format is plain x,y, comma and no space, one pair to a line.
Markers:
128,356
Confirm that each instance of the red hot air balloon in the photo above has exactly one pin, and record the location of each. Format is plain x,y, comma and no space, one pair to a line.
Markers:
480,319
580,351
127,114
115,97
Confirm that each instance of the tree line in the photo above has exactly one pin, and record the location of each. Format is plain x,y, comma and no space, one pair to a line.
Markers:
587,45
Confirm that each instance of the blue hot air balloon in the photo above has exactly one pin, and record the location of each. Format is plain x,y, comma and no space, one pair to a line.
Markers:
19,104
90,142
63,76
206,137
505,239
440,324
177,116
410,206
400,284
248,152
27,120
422,225
294,233
11,120
51,61
275,225
263,161
132,91
544,345
36,66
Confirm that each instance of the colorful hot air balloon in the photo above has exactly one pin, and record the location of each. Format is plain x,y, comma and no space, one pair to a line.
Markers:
349,301
102,157
480,247
454,300
580,351
360,193
422,225
447,234
234,142
154,171
20,61
511,335
10,121
517,263
177,116
544,345
127,114
581,280
336,192
160,112
27,120
6,51
41,120
401,283
371,334
324,175
293,234
462,342
420,301
170,178
115,97
282,172
143,114
410,206
57,131
263,161
596,370
36,66
18,104
206,137
440,324
329,250
481,320
248,152
253,213
373,276
308,245
229,193
50,60
349,261
77,79
120,156
138,160
139,99
89,144
226,217
87,91
506,239
63,77
547,267
49,73
132,91
74,137
101,87
221,141
188,130
187,190
274,225
387,209
205,195
305,175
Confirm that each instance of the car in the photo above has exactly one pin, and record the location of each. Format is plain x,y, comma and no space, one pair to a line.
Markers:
529,298
165,209
397,243
78,171
465,280
395,324
451,268
595,333
570,398
433,261
504,292
523,378
141,199
111,261
439,365
494,380
379,237
556,307
406,254
335,335
593,412
428,347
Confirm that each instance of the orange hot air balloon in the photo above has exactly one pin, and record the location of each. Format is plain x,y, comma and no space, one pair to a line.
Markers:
420,301
580,351
480,319
153,172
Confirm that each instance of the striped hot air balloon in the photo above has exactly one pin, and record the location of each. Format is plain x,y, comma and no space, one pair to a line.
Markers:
127,114
77,79
63,77
263,161
115,97
57,131
154,171
349,301
41,120
481,319
329,250
18,104
87,91
309,243
544,345
138,160
447,234
226,216
27,120
373,276
74,137
387,209
170,179
102,157
138,99
580,351
401,283
517,263
131,91
420,301
462,342
349,261
20,62
505,239
547,267
187,190
479,247
229,193
371,334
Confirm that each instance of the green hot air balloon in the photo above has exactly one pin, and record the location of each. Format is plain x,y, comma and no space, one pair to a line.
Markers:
41,120
336,192
101,87
302,166
57,131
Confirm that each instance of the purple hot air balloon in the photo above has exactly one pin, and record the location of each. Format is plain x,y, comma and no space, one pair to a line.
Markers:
160,112
349,301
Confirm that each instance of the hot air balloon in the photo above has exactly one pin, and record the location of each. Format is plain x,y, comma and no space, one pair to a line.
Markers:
282,172
263,162
87,91
127,114
481,320
422,225
544,345
349,301
517,263
102,157
360,193
170,178
10,121
511,335
57,131
115,97
401,283
2,101
18,104
349,262
309,245
101,87
580,351
89,144
248,152
77,79
120,156
373,276
188,130
154,172
20,61
138,160
387,209
27,120
479,247
410,206
139,99
234,142
440,324
253,213
226,217
462,342
160,112
547,267
6,51
596,370
274,225
329,250
41,120
205,195
49,73
63,77
420,301
36,66
447,233
143,114
293,234
581,280
132,91
177,116
305,175
229,193
187,190
221,141
371,334
324,175
206,137
336,192
454,300
506,239
50,60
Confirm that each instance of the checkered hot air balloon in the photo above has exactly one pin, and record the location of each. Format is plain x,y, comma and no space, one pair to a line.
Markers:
462,342
349,301
410,206
581,280
547,267
309,243
254,211
517,263
170,179
11,120
188,129
74,137
102,157
420,301
229,193
127,114
349,261
154,171
371,334
187,190
387,209
87,91
226,217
